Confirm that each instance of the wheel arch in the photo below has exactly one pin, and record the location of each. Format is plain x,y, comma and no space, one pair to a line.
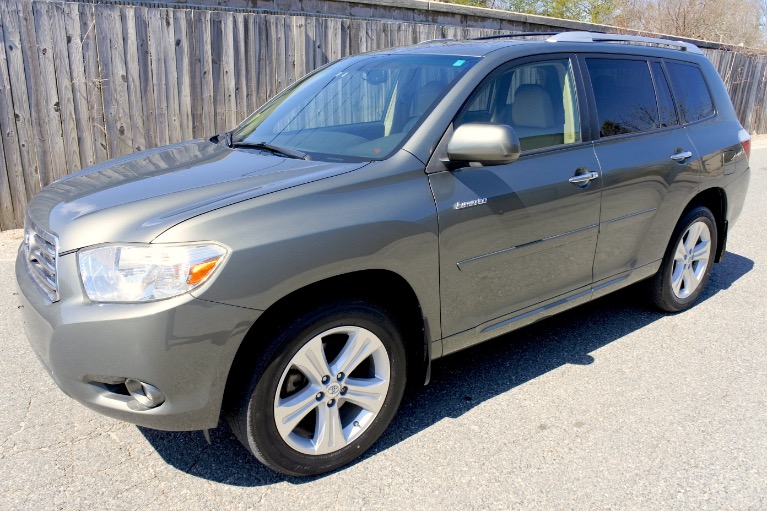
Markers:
383,288
715,199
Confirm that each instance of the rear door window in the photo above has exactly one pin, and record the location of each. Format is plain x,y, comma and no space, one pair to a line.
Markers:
624,95
691,92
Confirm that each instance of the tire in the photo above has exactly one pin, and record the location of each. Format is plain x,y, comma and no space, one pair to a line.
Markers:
687,263
301,414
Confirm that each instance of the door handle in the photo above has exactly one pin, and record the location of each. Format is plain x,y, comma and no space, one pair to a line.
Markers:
681,156
580,179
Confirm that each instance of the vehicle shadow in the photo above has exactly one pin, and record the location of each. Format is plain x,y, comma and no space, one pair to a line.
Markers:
503,364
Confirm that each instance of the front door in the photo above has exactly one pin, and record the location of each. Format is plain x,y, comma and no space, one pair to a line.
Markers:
512,236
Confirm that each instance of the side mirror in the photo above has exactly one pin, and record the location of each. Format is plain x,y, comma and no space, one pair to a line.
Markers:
487,144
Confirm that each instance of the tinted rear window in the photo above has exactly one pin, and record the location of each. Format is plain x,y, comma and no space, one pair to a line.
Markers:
691,91
624,95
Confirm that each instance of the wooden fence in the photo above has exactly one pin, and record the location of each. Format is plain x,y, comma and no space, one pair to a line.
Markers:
745,75
81,82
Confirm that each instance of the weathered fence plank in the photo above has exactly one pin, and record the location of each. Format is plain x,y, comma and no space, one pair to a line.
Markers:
7,219
93,82
240,69
264,56
183,57
208,110
290,56
64,86
217,57
760,114
135,96
51,105
11,179
195,74
252,48
277,33
159,77
298,44
167,38
83,81
79,89
146,78
114,83
23,18
227,73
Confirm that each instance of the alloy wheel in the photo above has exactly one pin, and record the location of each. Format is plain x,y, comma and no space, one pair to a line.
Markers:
691,259
332,390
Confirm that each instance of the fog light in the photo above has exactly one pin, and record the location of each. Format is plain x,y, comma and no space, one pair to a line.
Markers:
147,395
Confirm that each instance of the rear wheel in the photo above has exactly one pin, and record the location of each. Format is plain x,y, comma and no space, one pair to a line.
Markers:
687,263
327,389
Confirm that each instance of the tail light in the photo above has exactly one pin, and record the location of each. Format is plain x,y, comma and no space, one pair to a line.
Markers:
745,141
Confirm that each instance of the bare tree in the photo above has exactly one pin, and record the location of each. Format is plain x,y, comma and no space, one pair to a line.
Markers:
592,11
737,22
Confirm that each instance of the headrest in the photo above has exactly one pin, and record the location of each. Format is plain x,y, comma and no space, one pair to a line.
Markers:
532,107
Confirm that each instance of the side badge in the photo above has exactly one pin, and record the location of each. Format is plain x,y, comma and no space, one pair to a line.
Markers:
475,202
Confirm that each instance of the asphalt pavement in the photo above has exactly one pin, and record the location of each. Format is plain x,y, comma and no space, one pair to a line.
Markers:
611,405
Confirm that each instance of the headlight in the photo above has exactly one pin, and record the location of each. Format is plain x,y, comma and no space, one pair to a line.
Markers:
142,273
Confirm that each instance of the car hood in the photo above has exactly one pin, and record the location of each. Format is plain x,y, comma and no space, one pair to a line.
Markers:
137,197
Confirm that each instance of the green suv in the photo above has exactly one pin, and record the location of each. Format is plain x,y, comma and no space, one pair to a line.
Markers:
294,274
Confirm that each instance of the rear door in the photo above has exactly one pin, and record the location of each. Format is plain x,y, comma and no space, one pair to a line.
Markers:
515,235
649,166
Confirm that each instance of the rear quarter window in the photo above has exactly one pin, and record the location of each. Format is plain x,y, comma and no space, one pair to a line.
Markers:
691,91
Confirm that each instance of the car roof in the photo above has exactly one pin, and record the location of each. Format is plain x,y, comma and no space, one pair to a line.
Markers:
565,41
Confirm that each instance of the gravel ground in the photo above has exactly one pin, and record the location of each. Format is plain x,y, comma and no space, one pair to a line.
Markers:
610,405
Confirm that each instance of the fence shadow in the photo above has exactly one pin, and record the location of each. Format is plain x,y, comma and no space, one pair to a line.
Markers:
504,363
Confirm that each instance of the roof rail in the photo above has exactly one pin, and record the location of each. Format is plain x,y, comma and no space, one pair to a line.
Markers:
593,37
442,40
516,34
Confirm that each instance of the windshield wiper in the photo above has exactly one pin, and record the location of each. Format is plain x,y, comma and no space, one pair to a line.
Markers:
290,153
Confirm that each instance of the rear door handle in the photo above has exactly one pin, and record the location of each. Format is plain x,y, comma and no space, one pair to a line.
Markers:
681,156
580,179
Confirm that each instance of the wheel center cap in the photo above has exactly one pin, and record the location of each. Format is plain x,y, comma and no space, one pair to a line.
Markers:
333,389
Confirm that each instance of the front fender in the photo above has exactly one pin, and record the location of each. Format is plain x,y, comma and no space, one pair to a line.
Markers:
379,217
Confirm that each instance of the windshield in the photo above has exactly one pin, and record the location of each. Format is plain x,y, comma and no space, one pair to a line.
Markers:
358,109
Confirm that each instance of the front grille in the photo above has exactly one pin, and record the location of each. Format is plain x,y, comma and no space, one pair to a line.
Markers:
41,253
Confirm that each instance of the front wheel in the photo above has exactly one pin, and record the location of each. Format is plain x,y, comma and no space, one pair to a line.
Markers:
327,391
687,263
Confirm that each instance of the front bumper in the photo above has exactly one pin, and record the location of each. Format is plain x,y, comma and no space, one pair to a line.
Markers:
183,346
